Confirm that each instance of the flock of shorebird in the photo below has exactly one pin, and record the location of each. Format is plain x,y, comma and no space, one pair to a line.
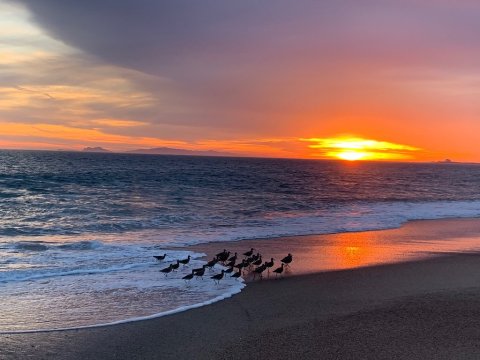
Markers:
250,264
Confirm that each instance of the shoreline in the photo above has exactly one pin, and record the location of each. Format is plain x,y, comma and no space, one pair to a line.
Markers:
413,240
126,321
268,314
273,310
302,264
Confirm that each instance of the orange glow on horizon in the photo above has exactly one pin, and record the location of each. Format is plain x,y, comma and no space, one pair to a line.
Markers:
355,148
70,137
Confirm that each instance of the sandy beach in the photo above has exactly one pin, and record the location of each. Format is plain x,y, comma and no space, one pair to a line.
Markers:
418,309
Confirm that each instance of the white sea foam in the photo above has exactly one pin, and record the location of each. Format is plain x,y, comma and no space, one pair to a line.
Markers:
38,275
360,216
239,284
99,285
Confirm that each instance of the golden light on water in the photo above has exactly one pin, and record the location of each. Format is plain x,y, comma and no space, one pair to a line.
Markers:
355,148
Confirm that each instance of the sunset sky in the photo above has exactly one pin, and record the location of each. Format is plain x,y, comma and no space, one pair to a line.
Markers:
297,78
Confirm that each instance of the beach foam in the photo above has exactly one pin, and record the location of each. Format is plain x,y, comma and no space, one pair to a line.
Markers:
234,287
49,286
360,216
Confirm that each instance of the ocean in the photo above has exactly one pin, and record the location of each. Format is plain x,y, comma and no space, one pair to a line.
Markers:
78,230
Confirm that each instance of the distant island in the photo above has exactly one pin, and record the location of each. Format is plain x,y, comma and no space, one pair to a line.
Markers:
162,151
173,151
96,149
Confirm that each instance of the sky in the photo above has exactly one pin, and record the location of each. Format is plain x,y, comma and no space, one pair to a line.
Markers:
371,79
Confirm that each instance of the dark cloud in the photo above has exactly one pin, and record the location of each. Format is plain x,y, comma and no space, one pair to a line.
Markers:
252,65
163,36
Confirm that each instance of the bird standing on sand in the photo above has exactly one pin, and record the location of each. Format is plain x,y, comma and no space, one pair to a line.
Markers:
258,261
223,257
218,277
230,263
167,270
269,264
185,261
278,271
241,265
249,253
259,270
160,257
287,259
233,258
221,253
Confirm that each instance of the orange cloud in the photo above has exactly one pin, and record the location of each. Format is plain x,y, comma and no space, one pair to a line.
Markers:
48,136
285,147
76,137
118,123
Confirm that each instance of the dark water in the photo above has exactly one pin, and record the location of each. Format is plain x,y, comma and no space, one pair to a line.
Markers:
78,230
51,193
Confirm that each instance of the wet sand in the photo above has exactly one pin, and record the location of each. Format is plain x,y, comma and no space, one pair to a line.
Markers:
410,310
415,240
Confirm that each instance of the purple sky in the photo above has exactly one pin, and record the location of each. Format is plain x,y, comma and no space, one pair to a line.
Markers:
229,74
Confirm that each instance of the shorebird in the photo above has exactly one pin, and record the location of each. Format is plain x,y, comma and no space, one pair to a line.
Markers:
200,269
287,259
269,264
233,258
221,253
259,270
229,270
250,260
176,266
258,261
253,258
160,257
230,263
218,277
249,253
278,271
223,257
241,265
237,274
185,261
199,272
212,263
167,270
188,277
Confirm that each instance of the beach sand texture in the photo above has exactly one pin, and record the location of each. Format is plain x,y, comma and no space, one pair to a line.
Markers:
427,309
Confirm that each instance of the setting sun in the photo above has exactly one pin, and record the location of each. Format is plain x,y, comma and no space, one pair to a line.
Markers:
351,155
354,148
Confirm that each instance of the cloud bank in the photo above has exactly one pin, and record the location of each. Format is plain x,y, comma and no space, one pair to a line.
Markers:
229,70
